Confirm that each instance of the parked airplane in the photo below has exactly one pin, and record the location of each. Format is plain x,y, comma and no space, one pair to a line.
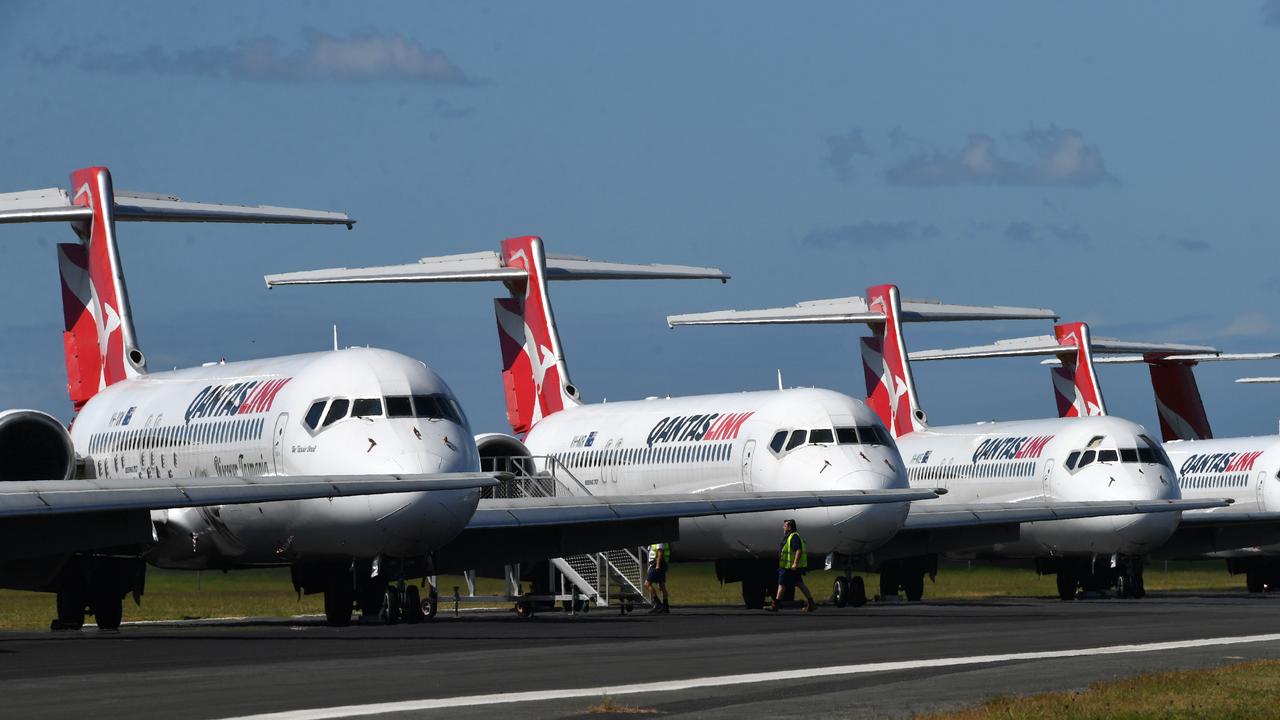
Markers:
1003,463
1244,469
702,445
192,442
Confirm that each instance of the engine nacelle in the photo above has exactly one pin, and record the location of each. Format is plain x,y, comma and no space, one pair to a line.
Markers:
496,449
34,446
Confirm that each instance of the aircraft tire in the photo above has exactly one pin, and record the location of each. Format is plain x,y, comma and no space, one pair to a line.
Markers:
888,582
840,591
390,613
858,593
412,609
70,605
108,609
1066,585
338,596
913,585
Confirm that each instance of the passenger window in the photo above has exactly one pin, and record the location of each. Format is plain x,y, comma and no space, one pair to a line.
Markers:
1071,459
1086,458
399,407
337,410
1108,456
847,436
367,407
797,439
821,436
779,438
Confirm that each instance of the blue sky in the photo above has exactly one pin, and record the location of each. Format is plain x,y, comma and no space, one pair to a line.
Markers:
1115,162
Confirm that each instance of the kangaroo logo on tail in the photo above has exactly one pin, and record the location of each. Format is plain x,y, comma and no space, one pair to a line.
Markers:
1075,384
535,377
890,388
1178,403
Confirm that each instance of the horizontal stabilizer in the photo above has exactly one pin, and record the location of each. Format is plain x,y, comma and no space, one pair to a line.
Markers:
932,516
856,310
1183,357
620,508
56,497
486,266
1041,345
54,205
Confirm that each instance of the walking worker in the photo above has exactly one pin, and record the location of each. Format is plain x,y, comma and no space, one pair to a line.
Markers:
793,561
659,561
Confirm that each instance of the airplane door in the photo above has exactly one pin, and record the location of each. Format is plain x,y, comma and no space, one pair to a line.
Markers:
1048,473
1262,478
277,443
748,451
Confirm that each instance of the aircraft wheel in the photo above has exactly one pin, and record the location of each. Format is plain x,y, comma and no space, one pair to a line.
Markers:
70,611
412,609
752,593
840,592
1066,585
430,605
108,609
858,592
338,596
390,613
1124,589
888,583
524,608
913,585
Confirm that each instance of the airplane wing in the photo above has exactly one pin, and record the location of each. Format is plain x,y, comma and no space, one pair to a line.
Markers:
927,517
525,512
1222,529
530,529
61,497
938,528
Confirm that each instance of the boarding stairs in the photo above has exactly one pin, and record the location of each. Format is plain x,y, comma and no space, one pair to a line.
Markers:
592,579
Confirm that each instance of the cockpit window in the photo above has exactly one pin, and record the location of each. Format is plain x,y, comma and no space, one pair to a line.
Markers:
399,406
797,439
1129,455
314,413
874,435
367,407
779,438
1087,458
846,436
821,436
1072,458
437,407
337,410
1108,456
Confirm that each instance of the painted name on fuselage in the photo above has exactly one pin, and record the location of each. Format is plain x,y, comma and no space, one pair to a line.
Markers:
242,398
712,426
1011,448
1220,462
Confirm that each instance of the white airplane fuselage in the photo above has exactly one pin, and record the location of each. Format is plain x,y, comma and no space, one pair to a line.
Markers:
1023,460
709,443
255,418
1245,469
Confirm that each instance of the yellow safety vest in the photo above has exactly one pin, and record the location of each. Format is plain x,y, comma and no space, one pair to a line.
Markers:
660,548
787,550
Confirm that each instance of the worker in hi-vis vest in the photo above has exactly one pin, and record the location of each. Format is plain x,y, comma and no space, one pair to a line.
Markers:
659,561
793,562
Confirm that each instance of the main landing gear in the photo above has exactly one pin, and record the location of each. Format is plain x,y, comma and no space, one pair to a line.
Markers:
352,587
1098,575
848,589
907,575
96,586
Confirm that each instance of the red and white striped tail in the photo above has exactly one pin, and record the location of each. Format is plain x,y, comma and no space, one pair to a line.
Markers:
891,391
1075,384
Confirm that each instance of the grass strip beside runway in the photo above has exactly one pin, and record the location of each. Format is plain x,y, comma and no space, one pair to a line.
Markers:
176,595
1244,690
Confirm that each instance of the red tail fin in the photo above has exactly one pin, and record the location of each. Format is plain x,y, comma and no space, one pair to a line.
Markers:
534,374
1178,403
100,345
1075,384
891,391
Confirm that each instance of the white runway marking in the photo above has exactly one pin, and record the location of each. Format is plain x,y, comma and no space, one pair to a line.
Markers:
348,711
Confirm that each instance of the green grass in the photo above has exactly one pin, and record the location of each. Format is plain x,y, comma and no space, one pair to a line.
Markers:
178,595
1245,690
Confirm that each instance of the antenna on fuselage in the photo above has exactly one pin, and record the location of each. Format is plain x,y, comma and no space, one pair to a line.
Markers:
335,337
779,378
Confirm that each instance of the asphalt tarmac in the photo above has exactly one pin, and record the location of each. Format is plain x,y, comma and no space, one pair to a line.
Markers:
890,659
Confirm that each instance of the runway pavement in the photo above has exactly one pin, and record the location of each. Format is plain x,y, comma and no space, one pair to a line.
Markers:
880,660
